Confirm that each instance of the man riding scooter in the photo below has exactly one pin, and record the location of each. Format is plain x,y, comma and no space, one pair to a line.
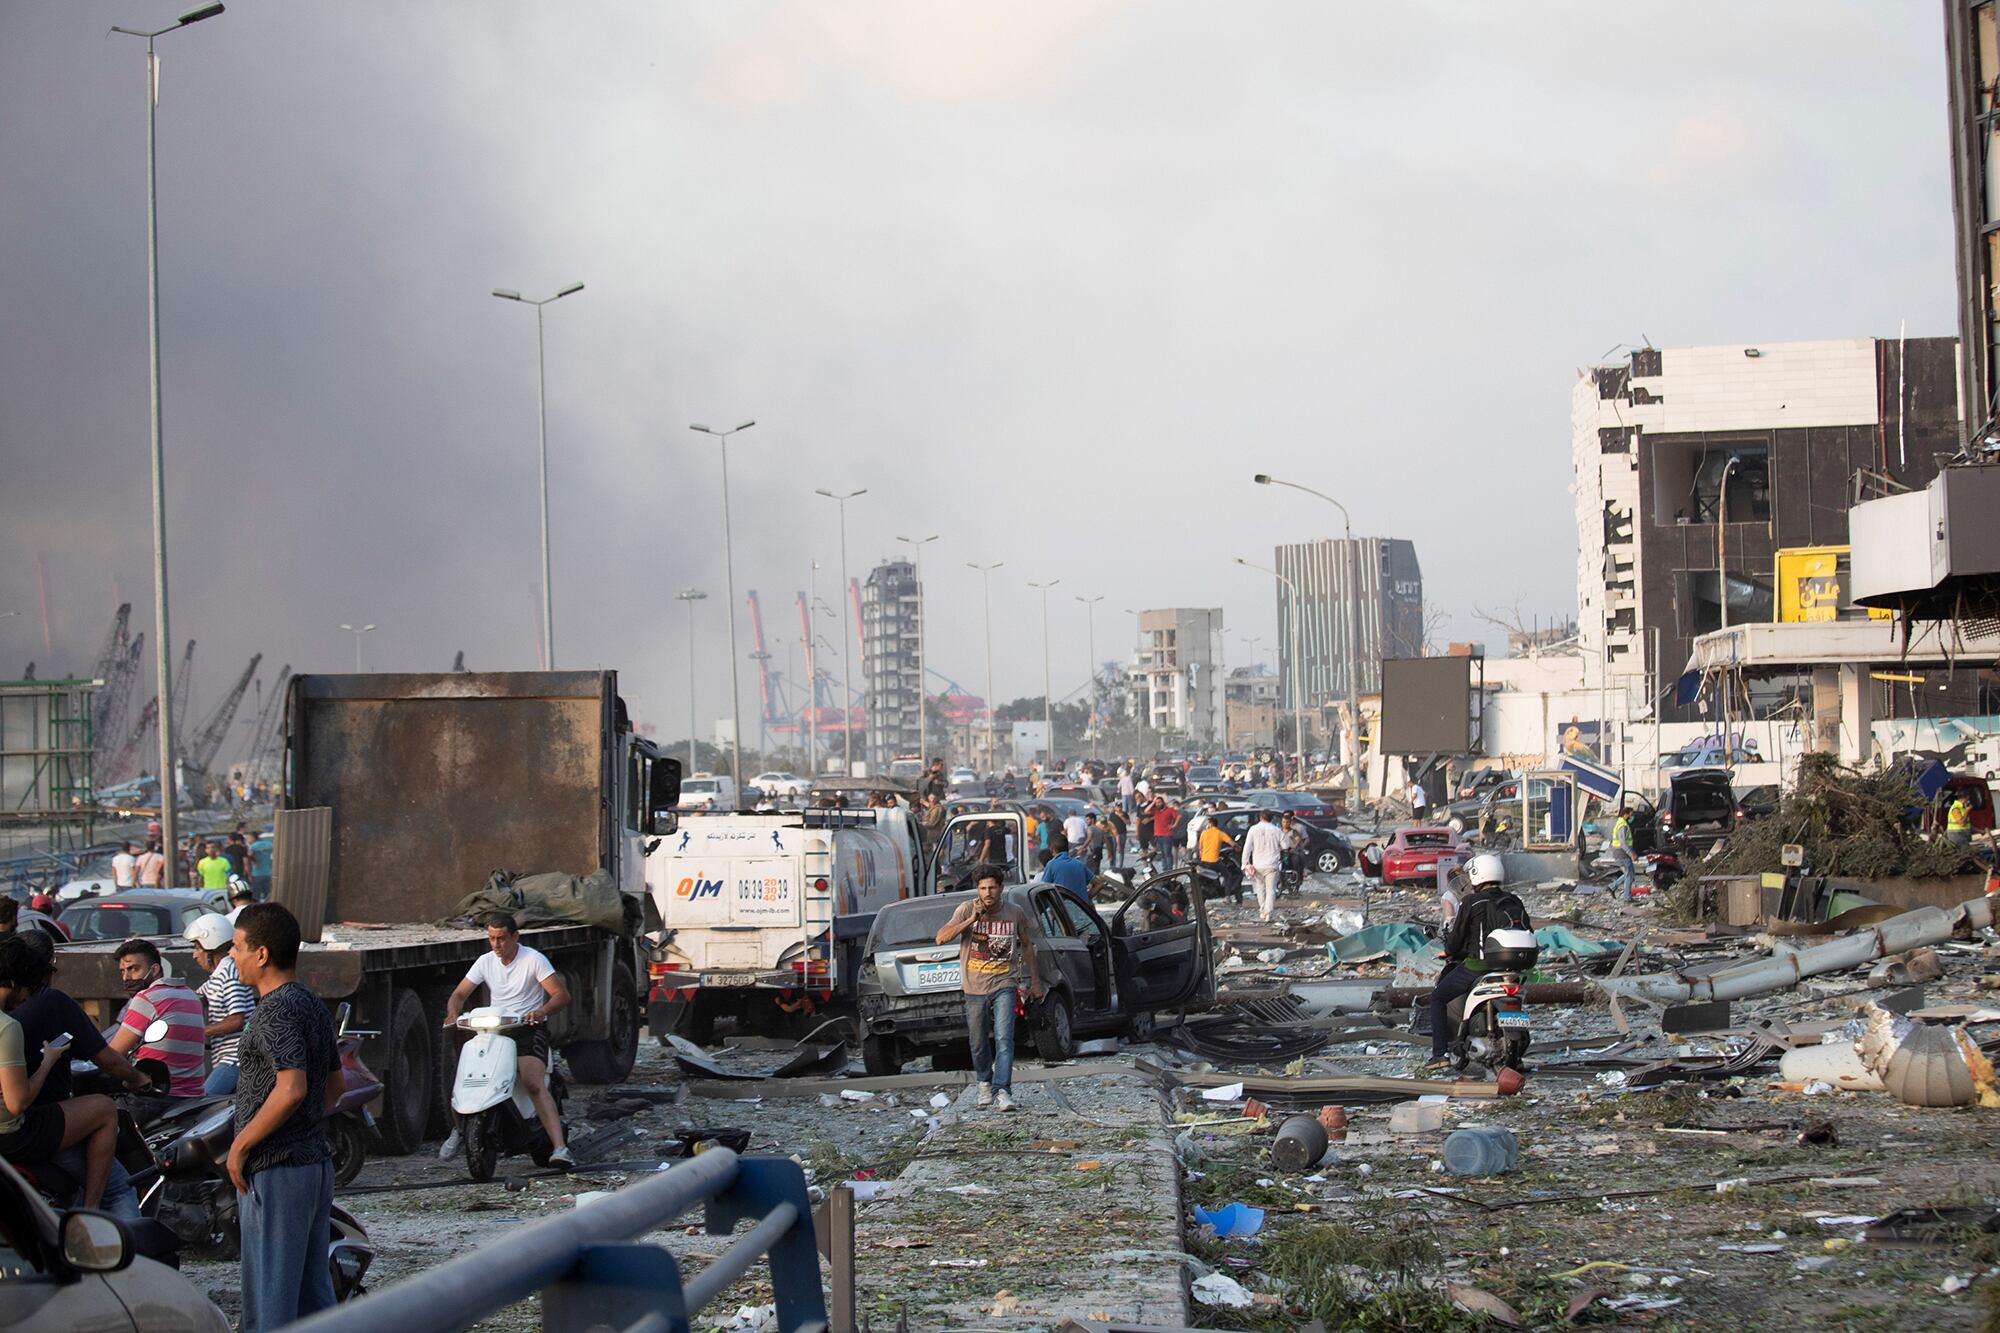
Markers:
520,980
1488,907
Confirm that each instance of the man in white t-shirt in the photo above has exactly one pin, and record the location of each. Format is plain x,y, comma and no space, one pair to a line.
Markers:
1076,828
520,980
1264,857
125,867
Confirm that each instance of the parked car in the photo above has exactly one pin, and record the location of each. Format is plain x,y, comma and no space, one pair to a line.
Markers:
1327,851
1700,807
1477,783
1102,975
1470,812
1206,780
713,795
1412,854
1167,780
139,912
782,786
83,1269
962,774
1710,754
1759,802
1303,804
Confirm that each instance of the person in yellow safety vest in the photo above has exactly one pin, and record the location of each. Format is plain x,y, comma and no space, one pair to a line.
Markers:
1621,856
1958,822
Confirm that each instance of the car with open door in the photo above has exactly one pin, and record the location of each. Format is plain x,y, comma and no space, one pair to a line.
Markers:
1327,851
1102,975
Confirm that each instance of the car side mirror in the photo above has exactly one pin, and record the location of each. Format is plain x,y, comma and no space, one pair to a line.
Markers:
156,1032
663,794
94,1242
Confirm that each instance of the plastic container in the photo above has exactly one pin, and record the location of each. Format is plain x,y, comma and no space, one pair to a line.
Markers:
1231,1220
1300,1145
1484,1150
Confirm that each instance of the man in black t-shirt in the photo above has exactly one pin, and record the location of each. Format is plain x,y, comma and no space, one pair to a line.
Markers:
280,1162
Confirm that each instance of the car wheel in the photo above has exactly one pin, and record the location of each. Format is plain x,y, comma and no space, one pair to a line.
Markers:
881,1054
1143,1027
1054,1039
1327,862
1456,824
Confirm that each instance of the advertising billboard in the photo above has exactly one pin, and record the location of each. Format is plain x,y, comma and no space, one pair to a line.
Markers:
1426,705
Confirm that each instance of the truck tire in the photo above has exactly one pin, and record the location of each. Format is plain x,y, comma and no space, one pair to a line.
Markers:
610,1060
881,1054
407,1074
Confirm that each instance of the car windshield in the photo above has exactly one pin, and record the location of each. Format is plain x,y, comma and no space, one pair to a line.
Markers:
1204,773
118,921
914,923
1293,800
1427,838
1063,806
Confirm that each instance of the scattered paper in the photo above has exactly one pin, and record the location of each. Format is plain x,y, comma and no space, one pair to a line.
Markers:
957,1263
940,1101
1221,1289
1228,1092
856,1095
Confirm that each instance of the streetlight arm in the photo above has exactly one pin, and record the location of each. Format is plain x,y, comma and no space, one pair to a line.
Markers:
1264,480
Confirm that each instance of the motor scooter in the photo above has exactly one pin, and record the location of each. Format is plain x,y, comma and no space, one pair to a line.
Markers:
1490,1022
201,1196
350,1126
495,1116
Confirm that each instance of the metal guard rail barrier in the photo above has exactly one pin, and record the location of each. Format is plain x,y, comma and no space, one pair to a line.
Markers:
592,1275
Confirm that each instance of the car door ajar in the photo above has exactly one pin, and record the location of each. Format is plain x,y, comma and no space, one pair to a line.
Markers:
1166,967
1068,957
1102,997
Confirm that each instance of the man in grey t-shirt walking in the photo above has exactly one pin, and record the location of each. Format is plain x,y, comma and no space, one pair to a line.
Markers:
996,957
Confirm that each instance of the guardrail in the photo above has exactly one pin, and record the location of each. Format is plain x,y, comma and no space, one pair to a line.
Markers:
592,1275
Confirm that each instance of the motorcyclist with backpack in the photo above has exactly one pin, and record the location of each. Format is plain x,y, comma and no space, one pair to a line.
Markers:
1488,907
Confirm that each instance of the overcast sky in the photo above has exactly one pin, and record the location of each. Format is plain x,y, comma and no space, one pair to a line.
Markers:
1051,280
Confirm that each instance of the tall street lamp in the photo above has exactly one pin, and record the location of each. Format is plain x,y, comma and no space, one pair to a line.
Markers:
542,414
846,635
986,579
1350,741
691,596
729,568
357,631
1048,710
917,545
1090,620
1298,663
160,639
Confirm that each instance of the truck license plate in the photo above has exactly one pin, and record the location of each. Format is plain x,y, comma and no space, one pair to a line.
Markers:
728,979
937,976
1513,1018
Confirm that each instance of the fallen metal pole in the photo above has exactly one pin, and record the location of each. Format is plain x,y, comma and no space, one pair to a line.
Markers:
1925,925
1540,992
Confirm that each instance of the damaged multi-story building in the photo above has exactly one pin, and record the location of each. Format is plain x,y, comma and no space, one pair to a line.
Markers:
1695,466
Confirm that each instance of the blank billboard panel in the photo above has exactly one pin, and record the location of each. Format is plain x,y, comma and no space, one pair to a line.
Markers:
1426,705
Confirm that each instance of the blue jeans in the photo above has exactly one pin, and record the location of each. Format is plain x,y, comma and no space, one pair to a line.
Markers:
1622,886
989,1022
221,1081
1455,982
286,1230
119,1198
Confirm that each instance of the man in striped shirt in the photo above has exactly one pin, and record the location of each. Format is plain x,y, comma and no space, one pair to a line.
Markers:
225,1001
156,995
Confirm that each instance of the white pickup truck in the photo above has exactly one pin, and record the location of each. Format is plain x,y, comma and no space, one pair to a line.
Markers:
764,917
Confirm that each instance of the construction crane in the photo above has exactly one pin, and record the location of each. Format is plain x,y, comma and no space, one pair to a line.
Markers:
115,643
201,749
771,697
181,690
124,761
118,693
270,713
117,663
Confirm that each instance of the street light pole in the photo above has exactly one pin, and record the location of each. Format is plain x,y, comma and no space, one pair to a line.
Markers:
542,414
1350,743
357,631
1298,665
986,579
691,596
846,635
162,670
1090,621
729,568
1048,697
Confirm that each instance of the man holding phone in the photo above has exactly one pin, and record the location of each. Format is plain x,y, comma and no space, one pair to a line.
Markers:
996,958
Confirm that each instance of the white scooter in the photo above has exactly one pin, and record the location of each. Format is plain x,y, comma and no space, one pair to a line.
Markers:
1491,1019
495,1116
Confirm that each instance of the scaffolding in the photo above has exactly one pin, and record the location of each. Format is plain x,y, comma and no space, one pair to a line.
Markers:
46,792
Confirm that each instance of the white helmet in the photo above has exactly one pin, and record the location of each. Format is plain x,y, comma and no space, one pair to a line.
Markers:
211,930
1486,868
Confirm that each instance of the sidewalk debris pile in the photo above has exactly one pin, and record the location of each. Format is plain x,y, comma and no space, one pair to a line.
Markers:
1852,823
